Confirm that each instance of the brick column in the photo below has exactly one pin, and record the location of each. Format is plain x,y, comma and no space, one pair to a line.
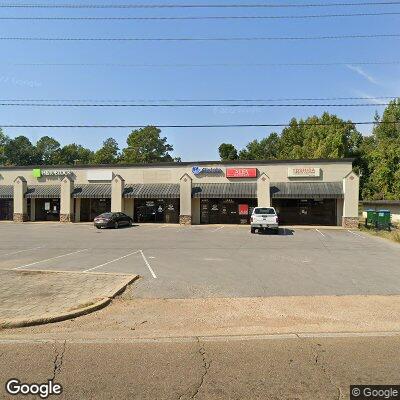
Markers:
263,190
67,202
20,205
351,187
117,192
185,217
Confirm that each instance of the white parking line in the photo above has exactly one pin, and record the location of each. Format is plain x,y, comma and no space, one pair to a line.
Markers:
22,251
112,261
49,259
320,232
218,229
355,234
148,265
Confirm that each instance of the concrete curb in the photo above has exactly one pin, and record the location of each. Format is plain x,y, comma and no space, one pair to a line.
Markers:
98,305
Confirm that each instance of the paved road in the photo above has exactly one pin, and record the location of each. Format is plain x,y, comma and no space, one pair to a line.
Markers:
314,368
208,261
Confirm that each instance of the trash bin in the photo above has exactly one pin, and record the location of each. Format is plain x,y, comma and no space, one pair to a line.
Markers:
371,218
383,221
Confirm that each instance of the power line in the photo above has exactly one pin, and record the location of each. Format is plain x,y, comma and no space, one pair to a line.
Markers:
238,5
199,100
204,126
216,65
200,18
190,105
204,39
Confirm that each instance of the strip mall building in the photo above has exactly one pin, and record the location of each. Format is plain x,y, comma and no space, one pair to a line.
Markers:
305,192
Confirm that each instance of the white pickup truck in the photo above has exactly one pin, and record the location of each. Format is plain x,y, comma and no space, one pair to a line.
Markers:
264,218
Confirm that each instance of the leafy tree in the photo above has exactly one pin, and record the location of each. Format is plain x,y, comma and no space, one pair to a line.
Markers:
47,150
3,143
227,152
20,151
265,149
146,146
108,154
327,136
380,154
74,154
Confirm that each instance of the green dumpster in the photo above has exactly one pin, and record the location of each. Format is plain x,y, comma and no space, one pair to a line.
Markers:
371,218
383,221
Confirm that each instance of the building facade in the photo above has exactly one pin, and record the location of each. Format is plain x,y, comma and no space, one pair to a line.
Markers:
304,192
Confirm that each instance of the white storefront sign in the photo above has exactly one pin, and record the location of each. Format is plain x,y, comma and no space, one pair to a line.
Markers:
102,175
304,172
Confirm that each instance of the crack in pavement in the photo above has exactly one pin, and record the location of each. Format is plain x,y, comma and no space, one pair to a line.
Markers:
324,370
206,367
58,360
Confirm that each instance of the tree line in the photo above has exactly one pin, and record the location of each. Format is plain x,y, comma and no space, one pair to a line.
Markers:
143,146
377,156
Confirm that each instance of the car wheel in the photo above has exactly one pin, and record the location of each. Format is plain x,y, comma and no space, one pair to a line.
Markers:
98,227
116,225
253,230
277,231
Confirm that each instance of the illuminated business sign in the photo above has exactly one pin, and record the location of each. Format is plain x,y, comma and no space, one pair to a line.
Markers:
304,172
241,172
38,173
206,171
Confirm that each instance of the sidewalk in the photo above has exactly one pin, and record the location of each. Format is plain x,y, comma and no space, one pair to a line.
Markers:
37,297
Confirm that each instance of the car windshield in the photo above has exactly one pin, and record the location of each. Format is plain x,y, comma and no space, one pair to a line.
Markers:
264,211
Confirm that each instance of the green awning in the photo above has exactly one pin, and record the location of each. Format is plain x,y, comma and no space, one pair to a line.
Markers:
92,191
43,192
309,190
224,190
6,192
152,191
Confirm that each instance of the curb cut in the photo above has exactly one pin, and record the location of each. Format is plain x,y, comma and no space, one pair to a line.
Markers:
98,305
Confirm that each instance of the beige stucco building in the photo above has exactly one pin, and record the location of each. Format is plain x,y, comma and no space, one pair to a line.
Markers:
321,192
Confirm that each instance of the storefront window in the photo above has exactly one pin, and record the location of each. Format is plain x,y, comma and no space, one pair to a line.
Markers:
47,209
157,210
226,211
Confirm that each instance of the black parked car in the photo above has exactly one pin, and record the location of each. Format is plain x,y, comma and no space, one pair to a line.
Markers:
112,220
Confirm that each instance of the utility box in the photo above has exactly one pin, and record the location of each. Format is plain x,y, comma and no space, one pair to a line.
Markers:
384,219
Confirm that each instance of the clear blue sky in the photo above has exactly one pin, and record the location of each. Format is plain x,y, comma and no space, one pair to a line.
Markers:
123,83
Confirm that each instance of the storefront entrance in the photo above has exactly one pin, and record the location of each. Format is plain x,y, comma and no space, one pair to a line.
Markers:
306,211
6,209
91,208
226,211
46,209
157,210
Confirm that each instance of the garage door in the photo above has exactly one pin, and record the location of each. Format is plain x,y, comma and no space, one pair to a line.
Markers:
306,211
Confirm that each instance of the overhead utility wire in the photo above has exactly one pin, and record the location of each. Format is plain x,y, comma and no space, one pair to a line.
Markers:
224,65
238,5
198,100
204,39
201,126
190,105
199,18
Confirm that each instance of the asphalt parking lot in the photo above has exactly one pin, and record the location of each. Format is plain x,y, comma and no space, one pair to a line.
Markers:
210,261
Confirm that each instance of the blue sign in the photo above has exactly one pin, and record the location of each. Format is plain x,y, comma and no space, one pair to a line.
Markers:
205,170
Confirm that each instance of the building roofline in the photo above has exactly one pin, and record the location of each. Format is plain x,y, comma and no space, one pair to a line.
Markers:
183,163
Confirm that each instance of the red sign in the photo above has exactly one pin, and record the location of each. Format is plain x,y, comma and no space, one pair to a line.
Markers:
243,209
241,172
